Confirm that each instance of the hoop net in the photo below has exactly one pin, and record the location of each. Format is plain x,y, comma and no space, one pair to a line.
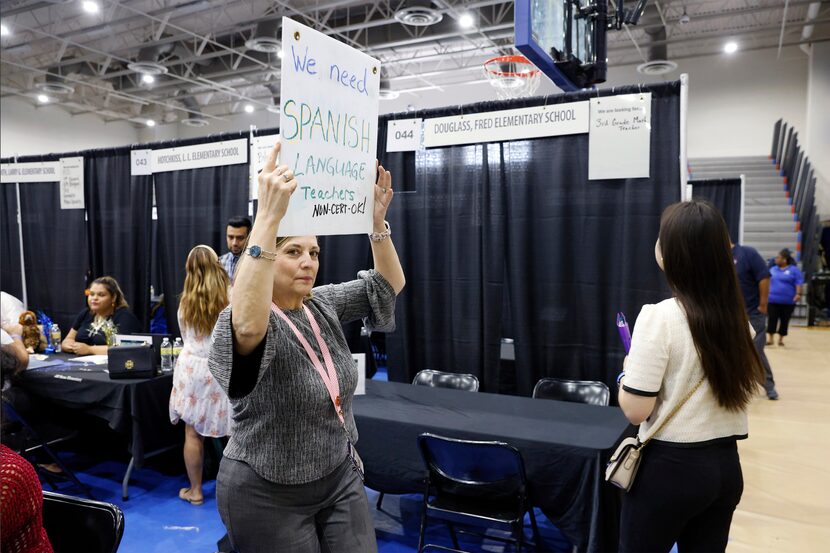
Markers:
512,76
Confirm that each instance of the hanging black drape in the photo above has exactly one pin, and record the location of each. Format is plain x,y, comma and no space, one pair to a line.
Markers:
726,195
449,235
193,208
55,244
119,209
518,224
10,274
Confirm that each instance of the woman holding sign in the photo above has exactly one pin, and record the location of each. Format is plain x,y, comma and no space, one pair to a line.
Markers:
291,479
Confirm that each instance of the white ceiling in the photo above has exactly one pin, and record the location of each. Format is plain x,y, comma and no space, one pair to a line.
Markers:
211,74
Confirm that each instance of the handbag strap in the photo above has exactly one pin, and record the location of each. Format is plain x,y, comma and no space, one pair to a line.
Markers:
675,410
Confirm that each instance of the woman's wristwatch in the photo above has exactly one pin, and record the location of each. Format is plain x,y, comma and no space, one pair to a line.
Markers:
256,252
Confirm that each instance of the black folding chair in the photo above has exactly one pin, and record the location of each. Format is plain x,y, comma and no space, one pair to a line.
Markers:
482,483
591,392
440,379
27,442
75,524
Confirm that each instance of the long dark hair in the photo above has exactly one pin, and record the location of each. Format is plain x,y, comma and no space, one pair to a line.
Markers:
697,260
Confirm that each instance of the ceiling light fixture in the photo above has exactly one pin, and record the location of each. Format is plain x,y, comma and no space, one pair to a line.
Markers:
150,123
147,67
388,94
147,79
4,31
90,6
466,21
249,108
730,47
419,16
43,98
279,53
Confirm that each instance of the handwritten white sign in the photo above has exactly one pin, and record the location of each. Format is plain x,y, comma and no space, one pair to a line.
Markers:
509,124
329,125
260,146
404,135
212,154
72,183
45,171
619,143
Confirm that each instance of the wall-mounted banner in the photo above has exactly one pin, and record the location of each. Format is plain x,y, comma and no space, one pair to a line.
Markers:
260,146
619,145
404,135
328,123
141,162
213,154
72,183
511,124
45,171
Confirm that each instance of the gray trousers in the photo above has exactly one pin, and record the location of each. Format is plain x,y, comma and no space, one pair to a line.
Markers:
759,324
329,515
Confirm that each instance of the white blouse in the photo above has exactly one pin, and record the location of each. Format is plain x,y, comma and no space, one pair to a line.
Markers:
663,362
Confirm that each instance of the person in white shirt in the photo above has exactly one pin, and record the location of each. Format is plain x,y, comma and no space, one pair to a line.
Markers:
695,347
10,310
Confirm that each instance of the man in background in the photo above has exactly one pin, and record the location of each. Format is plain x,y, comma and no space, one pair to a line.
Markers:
236,235
753,276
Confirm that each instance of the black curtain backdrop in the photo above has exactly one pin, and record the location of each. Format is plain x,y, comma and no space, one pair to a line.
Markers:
119,209
512,237
55,246
10,274
450,238
726,195
193,208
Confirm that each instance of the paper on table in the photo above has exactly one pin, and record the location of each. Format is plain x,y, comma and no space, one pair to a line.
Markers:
95,359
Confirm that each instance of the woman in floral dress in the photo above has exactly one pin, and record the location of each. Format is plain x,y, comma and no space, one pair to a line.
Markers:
196,398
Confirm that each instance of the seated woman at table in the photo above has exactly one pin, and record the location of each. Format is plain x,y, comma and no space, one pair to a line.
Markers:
280,353
107,307
688,378
196,398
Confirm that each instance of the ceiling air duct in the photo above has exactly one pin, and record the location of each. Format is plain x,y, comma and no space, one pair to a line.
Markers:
265,37
418,13
274,88
148,60
658,62
194,115
54,85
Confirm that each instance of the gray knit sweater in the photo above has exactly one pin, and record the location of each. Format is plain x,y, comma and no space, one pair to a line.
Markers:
285,427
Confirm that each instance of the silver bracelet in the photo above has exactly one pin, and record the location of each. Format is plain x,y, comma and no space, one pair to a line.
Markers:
381,236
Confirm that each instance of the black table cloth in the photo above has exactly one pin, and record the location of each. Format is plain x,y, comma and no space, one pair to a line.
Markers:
565,447
136,409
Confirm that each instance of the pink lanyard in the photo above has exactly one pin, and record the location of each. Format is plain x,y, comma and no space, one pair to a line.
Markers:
328,374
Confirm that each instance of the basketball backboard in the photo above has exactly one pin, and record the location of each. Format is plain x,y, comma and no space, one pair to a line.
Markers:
565,39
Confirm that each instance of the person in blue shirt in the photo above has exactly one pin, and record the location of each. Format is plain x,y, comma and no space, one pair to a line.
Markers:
784,293
754,278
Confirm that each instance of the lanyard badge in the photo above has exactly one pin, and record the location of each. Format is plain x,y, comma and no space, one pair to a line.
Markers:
328,374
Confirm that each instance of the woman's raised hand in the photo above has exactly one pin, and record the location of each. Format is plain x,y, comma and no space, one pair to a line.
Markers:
383,197
276,184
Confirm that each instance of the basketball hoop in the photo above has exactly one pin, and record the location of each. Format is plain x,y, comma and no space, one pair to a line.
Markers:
512,76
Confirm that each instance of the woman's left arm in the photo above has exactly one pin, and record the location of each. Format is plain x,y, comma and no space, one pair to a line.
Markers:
635,408
383,251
